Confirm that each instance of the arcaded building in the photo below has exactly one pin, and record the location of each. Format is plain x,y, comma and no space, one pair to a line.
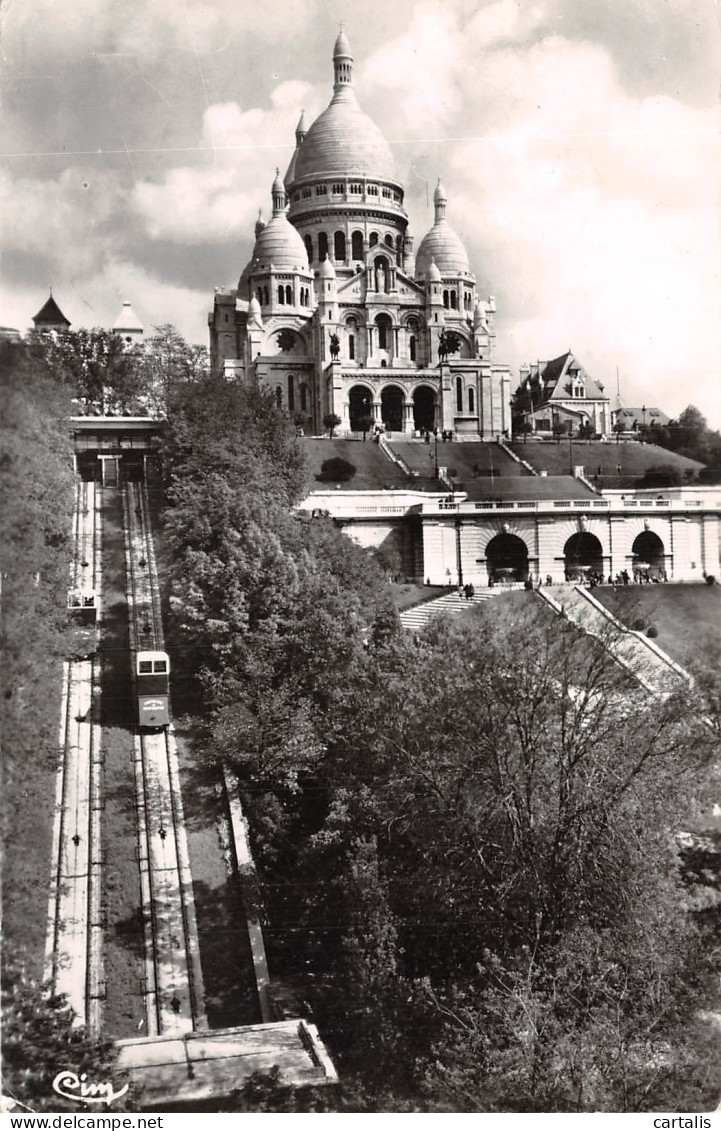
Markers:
336,315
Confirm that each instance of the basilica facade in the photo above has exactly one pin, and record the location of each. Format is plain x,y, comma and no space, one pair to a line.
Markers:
336,315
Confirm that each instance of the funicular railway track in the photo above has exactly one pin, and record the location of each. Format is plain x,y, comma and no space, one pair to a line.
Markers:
73,955
174,989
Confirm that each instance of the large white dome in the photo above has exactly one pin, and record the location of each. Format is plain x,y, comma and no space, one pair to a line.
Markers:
343,140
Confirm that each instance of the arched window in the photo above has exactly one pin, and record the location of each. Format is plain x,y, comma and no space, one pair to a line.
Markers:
445,299
351,347
357,245
281,295
373,239
459,394
309,248
471,400
339,247
289,295
278,396
412,345
291,395
388,240
303,398
322,246
266,295
258,295
453,300
383,324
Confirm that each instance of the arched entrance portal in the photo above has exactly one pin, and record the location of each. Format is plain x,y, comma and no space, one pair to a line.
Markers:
507,558
583,555
360,404
424,408
648,556
392,408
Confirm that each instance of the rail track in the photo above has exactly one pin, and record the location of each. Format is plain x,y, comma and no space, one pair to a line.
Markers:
73,952
173,978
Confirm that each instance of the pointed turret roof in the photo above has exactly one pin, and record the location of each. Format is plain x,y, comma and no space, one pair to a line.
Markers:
127,320
50,316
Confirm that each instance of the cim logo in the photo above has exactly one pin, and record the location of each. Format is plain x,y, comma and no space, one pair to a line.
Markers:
73,1087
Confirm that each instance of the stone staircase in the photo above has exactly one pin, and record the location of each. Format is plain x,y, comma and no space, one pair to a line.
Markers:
651,666
418,616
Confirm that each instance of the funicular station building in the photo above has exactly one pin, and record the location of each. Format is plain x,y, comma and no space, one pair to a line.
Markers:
335,314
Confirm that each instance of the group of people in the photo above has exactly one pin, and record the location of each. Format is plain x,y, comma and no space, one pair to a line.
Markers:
466,591
446,434
640,577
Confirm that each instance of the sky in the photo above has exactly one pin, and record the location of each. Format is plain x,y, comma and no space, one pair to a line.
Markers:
577,140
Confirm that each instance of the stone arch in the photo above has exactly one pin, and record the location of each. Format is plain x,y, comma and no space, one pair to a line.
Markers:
507,558
424,408
339,247
583,555
373,239
322,246
392,402
356,241
649,556
388,240
360,403
382,273
384,328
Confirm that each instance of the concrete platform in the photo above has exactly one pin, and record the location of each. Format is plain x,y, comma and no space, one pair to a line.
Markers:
208,1066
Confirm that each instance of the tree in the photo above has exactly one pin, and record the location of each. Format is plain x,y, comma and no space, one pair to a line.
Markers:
619,428
168,363
331,421
336,470
102,370
364,424
39,1040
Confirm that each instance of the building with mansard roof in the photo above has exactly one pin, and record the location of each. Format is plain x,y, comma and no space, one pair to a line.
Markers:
333,312
560,395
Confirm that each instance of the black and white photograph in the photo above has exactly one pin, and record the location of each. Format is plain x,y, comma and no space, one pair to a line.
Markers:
360,453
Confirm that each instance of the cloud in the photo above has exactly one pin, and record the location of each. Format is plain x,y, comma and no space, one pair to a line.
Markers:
589,210
218,200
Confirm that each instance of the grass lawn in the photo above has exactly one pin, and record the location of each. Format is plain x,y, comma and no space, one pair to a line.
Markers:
688,617
407,595
373,468
601,461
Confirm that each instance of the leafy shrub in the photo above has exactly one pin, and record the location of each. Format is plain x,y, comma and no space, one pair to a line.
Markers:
652,631
710,579
336,470
639,624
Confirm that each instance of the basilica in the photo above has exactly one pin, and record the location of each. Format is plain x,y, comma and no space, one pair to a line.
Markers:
336,315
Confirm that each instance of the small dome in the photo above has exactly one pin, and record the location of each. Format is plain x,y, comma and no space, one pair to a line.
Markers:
442,244
446,248
278,244
327,270
341,46
278,185
432,273
254,308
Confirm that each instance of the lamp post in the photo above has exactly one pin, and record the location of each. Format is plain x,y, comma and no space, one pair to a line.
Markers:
643,416
570,447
